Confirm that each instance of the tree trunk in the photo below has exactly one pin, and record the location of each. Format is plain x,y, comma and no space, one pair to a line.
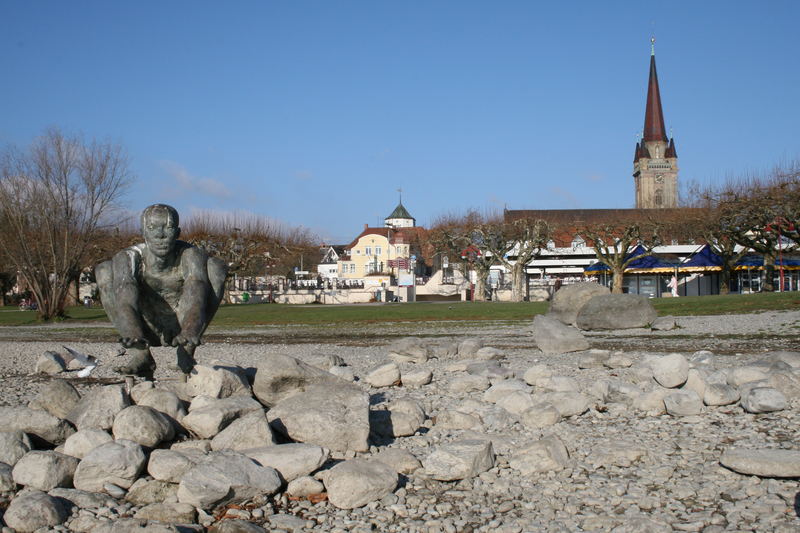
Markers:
725,280
480,289
769,273
616,286
519,283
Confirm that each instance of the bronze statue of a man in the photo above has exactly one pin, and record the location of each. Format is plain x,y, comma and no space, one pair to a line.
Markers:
163,292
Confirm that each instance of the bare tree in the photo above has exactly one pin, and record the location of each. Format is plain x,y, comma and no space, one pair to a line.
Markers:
252,245
614,244
55,199
761,213
465,236
514,244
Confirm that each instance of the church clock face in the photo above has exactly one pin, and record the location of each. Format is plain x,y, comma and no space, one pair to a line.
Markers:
659,178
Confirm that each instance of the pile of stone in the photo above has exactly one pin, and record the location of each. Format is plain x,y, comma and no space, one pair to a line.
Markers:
422,417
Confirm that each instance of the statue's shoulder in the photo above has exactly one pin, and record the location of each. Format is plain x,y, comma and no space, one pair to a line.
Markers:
190,251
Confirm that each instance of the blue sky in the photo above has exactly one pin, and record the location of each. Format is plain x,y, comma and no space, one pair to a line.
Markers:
315,113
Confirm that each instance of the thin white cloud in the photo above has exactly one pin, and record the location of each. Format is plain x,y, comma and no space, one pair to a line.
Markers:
566,195
303,175
189,183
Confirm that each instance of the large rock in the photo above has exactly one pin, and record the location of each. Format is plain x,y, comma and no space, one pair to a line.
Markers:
249,431
401,460
746,374
670,370
45,470
567,403
218,380
540,415
535,373
416,377
502,388
292,460
13,445
384,375
459,460
304,486
683,403
165,402
33,510
99,406
168,513
143,425
41,424
409,350
401,419
84,441
558,384
570,299
554,337
616,311
541,456
57,398
280,376
7,483
720,394
468,348
146,491
763,400
50,363
357,482
516,402
215,415
468,383
787,383
171,465
82,498
456,420
334,415
118,462
226,477
763,463
490,369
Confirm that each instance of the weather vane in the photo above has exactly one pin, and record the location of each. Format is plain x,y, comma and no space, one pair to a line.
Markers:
652,46
400,192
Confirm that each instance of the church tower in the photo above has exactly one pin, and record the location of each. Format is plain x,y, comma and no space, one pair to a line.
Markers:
655,162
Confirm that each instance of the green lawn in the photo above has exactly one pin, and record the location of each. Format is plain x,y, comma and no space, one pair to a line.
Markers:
265,314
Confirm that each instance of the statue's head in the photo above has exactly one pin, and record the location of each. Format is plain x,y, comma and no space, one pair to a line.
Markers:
160,229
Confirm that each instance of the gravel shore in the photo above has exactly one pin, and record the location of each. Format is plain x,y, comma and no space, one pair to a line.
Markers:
628,470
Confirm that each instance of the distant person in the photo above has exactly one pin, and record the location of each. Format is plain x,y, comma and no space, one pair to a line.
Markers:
673,286
163,292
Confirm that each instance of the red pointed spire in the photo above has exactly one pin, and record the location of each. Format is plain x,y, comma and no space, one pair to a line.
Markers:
654,129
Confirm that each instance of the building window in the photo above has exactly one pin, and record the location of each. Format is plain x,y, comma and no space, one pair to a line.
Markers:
398,250
578,242
377,250
368,250
352,268
659,197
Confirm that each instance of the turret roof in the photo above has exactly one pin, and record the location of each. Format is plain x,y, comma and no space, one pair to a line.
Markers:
400,212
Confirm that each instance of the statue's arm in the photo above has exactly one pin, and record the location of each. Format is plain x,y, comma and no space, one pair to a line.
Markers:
126,291
194,297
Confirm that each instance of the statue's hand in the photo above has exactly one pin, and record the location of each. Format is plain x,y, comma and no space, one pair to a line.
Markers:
134,342
187,341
